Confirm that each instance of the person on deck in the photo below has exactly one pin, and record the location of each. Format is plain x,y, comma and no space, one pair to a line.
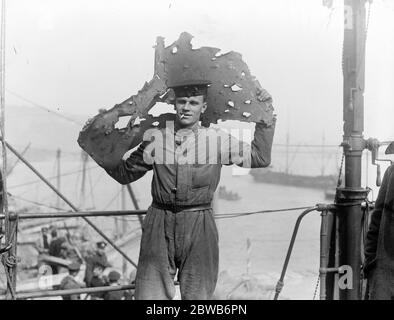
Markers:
98,280
69,252
43,242
113,281
98,257
179,231
379,247
70,282
55,248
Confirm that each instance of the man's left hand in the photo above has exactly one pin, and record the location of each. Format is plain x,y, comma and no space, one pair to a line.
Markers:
264,96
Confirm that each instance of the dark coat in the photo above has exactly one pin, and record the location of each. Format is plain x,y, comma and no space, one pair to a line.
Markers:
91,262
114,295
98,282
69,282
379,247
55,247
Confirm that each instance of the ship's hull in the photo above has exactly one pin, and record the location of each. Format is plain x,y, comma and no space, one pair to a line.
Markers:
282,178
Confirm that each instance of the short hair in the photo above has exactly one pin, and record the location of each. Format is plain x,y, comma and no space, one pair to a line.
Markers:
101,245
204,97
191,90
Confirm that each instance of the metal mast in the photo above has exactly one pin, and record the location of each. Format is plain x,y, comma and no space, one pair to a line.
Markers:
350,197
10,225
85,159
58,176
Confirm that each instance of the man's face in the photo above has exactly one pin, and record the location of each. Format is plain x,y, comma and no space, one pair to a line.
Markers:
189,109
98,270
100,250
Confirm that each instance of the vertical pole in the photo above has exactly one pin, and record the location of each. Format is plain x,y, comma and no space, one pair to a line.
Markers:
135,203
350,197
323,156
85,158
1,203
10,223
330,280
326,232
124,226
287,152
117,230
366,169
2,105
58,182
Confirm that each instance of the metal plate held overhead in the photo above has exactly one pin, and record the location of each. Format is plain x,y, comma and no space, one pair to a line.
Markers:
234,94
390,148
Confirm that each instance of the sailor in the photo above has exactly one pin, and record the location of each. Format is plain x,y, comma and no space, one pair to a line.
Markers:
43,242
70,282
55,248
113,280
98,257
68,252
56,243
179,231
98,280
379,246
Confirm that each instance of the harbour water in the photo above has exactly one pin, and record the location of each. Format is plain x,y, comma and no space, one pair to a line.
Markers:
268,233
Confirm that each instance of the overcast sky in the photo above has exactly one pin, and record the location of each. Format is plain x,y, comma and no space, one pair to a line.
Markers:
77,56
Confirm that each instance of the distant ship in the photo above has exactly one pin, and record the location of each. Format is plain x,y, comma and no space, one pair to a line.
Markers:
324,182
228,195
327,183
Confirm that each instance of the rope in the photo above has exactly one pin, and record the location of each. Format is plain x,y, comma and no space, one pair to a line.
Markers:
339,182
368,16
44,108
13,295
112,200
52,177
92,189
11,261
38,203
316,287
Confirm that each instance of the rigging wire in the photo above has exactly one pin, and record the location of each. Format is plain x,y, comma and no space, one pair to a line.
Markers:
112,200
37,203
38,148
44,108
235,215
52,177
91,190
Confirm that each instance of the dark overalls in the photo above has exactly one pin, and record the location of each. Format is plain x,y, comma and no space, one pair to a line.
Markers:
379,247
179,230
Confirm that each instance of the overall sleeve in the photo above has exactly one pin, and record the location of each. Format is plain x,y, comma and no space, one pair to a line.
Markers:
133,168
256,155
374,226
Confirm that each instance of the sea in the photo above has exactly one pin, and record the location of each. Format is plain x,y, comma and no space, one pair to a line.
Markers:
251,245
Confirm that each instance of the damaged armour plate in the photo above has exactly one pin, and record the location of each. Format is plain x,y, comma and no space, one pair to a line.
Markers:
234,94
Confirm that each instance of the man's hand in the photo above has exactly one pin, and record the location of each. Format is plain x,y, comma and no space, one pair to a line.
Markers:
264,96
372,144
